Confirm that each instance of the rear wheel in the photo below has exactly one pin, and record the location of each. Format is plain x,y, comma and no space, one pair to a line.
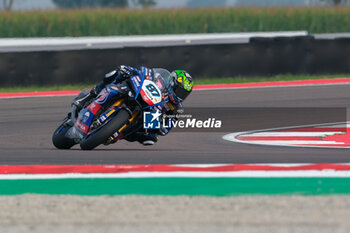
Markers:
59,138
101,134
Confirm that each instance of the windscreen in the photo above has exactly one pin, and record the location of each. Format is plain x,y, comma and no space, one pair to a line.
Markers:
161,79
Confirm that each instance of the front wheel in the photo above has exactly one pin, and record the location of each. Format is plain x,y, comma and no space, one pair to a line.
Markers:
59,138
101,134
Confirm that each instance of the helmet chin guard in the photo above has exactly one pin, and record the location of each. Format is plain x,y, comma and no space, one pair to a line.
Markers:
181,85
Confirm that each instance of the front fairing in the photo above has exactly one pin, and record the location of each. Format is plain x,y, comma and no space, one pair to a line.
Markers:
152,85
87,114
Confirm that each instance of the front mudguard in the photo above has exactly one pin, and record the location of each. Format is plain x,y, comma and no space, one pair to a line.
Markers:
60,138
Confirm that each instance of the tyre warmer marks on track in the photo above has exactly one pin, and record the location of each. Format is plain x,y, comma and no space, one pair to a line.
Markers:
311,82
332,135
212,180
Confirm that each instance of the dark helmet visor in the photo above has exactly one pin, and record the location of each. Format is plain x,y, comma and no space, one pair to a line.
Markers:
181,93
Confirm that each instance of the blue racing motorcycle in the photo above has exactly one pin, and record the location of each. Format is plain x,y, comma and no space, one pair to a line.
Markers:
115,113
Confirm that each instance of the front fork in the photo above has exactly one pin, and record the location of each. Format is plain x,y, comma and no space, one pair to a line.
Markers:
119,133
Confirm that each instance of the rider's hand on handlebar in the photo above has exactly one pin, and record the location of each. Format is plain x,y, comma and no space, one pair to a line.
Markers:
125,71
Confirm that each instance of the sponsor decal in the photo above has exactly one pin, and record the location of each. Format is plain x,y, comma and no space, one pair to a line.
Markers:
159,84
94,107
148,73
145,97
136,81
151,93
113,87
103,118
110,112
81,126
86,116
102,97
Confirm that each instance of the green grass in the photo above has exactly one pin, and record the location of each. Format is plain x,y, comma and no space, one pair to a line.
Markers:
45,88
104,22
286,77
198,81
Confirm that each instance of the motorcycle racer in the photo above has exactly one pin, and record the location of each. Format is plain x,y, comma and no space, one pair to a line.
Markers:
181,84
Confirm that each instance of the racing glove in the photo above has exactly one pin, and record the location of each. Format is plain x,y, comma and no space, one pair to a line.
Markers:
126,72
118,75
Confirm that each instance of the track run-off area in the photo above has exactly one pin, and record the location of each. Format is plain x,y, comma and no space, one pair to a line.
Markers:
28,120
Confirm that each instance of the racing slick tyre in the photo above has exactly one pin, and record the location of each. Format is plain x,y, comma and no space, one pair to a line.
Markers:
101,134
59,138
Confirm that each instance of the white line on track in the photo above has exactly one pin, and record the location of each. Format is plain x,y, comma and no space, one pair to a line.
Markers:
247,174
344,125
296,142
291,134
233,137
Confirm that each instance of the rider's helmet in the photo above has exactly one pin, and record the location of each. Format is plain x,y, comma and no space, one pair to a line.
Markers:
181,84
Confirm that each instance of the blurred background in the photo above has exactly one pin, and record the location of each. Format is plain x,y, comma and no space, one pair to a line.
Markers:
53,4
58,42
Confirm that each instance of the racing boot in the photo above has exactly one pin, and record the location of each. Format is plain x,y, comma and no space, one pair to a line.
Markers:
148,143
148,139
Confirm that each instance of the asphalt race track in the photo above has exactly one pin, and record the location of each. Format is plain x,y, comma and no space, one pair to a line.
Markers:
26,126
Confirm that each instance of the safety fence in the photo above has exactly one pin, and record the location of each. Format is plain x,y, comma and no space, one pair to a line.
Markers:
261,56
